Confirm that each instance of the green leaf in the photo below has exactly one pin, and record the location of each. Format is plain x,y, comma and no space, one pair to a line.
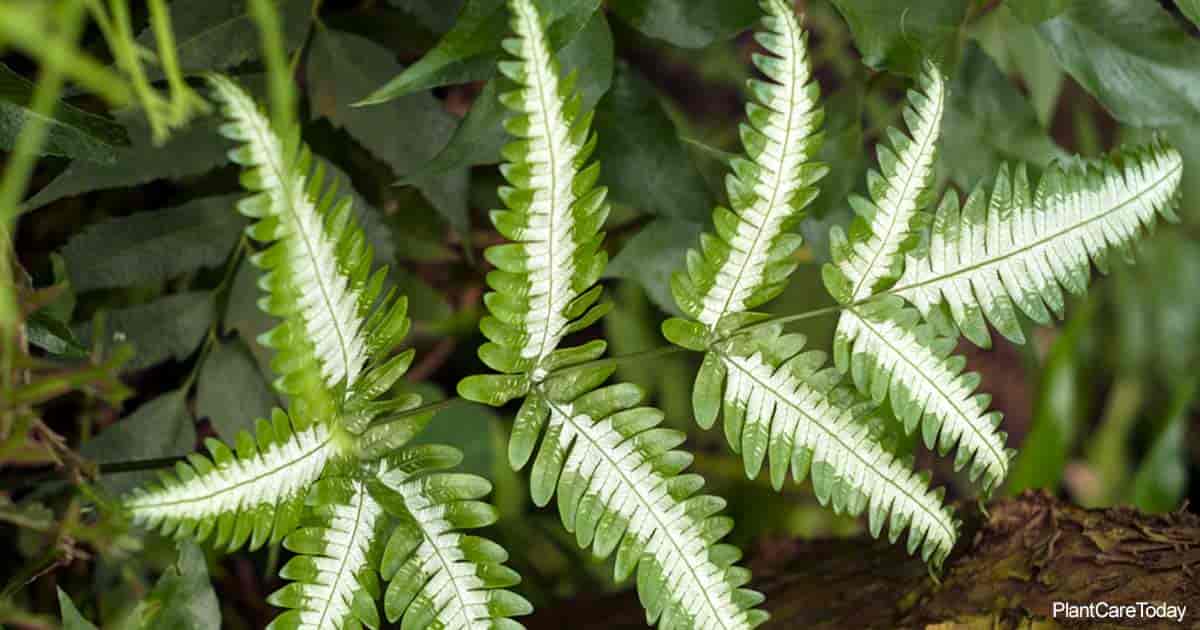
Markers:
989,122
190,151
1190,8
481,135
171,327
155,245
643,162
687,23
652,255
162,427
897,35
220,34
341,68
469,51
435,15
1133,57
183,598
1057,410
1019,50
1160,483
71,619
470,428
231,391
1036,11
70,131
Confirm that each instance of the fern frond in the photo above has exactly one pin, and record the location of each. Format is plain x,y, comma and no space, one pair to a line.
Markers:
780,406
887,223
620,489
891,353
439,577
256,494
335,580
1021,248
543,285
317,268
747,262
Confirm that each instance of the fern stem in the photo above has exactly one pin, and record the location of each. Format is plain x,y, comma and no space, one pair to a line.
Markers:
416,411
135,465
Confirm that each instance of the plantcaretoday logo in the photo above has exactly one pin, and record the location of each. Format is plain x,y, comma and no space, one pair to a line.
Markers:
1105,610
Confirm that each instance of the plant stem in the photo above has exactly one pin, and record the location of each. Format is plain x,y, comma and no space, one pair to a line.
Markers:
279,77
416,411
138,465
61,45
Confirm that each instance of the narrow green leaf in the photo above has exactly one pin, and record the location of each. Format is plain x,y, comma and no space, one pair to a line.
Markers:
469,51
155,245
688,23
1133,57
70,131
897,35
643,162
342,67
1019,50
1042,456
231,390
1162,479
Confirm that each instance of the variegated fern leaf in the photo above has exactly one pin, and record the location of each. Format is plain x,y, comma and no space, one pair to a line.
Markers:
782,407
437,576
543,284
747,262
334,356
882,346
768,405
1019,247
614,470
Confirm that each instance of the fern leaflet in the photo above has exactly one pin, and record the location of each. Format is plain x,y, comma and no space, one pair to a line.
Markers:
334,577
748,261
620,489
256,495
1021,247
437,576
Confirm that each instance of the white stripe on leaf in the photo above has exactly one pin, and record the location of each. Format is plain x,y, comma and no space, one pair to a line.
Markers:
1020,248
767,192
898,194
326,299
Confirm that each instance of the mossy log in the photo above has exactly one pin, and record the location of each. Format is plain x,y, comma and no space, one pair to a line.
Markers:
1010,568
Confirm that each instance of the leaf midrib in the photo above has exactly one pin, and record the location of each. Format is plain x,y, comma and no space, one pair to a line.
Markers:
999,258
648,505
913,500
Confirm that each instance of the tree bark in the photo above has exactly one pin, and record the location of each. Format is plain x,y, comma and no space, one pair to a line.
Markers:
1009,568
